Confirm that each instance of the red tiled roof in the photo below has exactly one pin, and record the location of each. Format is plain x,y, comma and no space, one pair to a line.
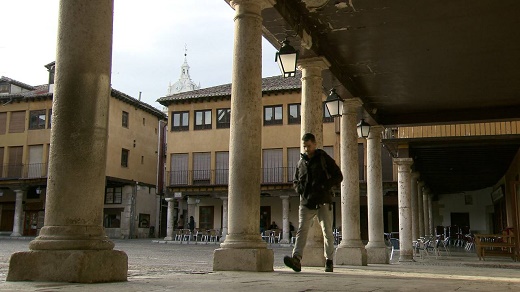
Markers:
269,84
16,82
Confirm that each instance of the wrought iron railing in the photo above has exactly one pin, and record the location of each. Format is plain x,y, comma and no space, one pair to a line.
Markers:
273,175
18,171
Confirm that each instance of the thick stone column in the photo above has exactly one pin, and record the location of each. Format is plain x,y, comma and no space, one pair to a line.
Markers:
244,249
224,218
405,212
426,212
170,219
312,122
415,209
72,246
376,248
420,208
430,214
351,250
18,214
285,219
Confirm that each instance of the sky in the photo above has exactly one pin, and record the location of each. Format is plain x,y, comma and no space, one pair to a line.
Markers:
148,43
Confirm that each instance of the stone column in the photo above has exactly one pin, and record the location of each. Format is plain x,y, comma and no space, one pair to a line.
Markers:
285,219
351,250
224,218
426,212
413,201
244,249
170,219
73,239
18,214
405,212
312,122
180,213
430,214
376,247
192,206
420,208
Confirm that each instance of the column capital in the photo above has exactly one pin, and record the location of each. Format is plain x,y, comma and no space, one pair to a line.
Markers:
415,175
315,62
403,161
263,3
421,184
284,197
223,198
351,105
375,132
169,199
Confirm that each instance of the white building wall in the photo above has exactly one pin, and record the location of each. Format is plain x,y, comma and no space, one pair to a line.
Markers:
480,210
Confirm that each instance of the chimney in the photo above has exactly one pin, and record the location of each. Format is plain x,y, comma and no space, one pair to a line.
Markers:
51,67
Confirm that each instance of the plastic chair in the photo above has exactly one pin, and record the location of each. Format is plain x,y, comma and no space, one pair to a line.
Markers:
395,246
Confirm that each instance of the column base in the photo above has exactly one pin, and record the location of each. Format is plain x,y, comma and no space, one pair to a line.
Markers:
168,238
406,258
15,234
77,266
378,255
235,259
353,256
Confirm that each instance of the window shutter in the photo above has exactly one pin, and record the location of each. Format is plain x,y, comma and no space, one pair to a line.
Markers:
272,165
179,169
17,124
3,120
222,169
201,168
293,156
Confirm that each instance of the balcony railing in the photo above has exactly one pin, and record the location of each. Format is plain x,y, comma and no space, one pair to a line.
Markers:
220,177
18,171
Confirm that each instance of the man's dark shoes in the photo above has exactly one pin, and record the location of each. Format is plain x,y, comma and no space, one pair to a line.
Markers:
329,266
293,263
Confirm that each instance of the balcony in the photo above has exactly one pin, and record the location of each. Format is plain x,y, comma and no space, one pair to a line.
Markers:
220,177
23,171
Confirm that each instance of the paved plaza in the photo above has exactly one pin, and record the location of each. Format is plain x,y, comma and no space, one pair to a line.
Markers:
174,267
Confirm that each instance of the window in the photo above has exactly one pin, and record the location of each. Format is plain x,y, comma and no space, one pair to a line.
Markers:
124,157
222,170
273,115
326,115
201,168
49,119
180,121
125,119
295,113
144,220
37,120
4,88
17,123
203,120
272,165
223,118
114,195
3,121
179,169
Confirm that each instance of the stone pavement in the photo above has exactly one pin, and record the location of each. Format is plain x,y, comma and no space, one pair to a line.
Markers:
175,267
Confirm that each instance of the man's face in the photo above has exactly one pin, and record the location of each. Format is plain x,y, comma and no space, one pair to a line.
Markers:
309,147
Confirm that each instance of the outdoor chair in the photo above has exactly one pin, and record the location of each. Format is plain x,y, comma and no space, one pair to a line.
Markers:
186,235
178,234
276,236
204,235
267,236
395,246
213,235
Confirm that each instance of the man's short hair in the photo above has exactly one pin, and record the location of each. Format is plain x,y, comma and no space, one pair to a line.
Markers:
309,137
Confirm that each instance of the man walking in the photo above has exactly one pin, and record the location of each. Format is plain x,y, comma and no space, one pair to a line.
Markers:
314,178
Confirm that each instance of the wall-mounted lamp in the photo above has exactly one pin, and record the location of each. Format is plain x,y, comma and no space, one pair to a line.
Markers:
197,201
38,191
363,129
287,58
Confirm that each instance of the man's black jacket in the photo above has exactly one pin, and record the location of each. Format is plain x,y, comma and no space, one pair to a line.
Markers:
315,177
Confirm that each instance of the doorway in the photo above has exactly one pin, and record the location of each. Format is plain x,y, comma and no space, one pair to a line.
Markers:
30,225
265,218
460,219
206,217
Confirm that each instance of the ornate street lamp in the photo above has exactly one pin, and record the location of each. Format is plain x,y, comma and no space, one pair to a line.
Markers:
38,191
287,59
363,129
334,103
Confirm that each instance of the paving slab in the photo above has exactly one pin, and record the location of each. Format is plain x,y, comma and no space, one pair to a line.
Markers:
188,267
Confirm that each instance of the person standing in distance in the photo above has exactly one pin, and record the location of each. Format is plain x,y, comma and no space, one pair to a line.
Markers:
314,178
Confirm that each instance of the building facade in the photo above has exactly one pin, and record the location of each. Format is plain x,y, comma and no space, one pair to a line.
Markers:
131,197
